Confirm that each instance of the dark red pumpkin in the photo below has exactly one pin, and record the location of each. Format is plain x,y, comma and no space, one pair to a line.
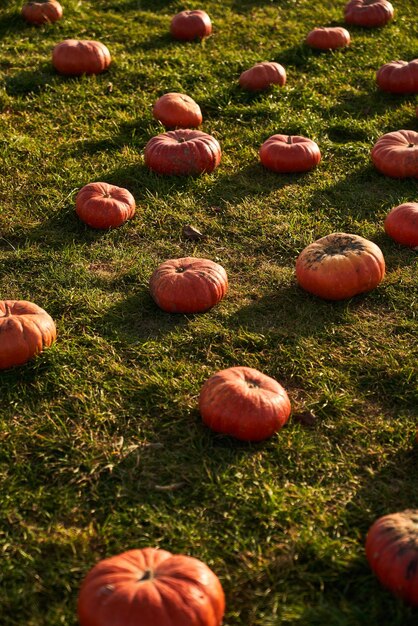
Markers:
289,154
398,77
177,110
396,154
74,57
42,12
392,553
340,266
262,75
151,587
182,152
25,330
368,13
188,285
101,205
401,224
190,25
328,38
244,403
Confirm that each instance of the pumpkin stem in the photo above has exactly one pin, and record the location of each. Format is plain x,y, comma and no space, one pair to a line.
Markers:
147,575
289,139
8,310
179,270
411,145
181,140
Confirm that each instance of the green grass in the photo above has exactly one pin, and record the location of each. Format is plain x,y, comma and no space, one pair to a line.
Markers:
94,428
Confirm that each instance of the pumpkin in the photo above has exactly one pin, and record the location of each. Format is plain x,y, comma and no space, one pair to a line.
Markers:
396,154
25,330
101,205
182,152
392,553
188,285
73,57
177,110
244,403
340,266
42,12
398,77
368,13
401,224
262,76
152,588
328,38
289,154
190,25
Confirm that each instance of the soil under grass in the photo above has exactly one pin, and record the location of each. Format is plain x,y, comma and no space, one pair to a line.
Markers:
102,448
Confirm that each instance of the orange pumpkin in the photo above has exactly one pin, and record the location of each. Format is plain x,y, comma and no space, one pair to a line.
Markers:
151,587
262,75
328,38
340,266
401,224
42,12
73,57
177,110
368,13
244,403
101,205
288,154
25,330
188,285
396,154
190,25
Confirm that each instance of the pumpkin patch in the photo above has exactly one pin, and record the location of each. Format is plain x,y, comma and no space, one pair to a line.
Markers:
42,12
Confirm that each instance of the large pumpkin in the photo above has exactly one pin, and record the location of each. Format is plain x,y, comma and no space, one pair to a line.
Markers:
262,76
329,38
177,110
151,587
188,285
289,154
392,553
340,266
25,330
398,77
73,57
42,12
182,152
396,154
244,403
101,205
368,13
190,25
401,224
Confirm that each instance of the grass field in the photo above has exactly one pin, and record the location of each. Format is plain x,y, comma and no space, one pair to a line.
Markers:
102,446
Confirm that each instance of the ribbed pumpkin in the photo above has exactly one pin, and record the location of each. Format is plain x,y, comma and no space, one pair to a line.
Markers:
101,205
392,553
182,152
396,154
398,77
190,25
330,38
73,57
401,224
244,403
188,285
288,154
42,12
262,75
25,330
151,587
177,110
368,13
340,266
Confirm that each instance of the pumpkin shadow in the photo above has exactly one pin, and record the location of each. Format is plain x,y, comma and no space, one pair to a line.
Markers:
369,104
12,23
30,82
119,6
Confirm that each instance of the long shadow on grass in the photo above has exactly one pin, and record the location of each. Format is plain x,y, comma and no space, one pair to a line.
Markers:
368,104
27,82
12,23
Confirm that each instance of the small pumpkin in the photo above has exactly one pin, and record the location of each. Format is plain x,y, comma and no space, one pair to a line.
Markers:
368,13
188,285
73,57
401,224
392,553
244,403
101,205
329,38
340,266
288,154
42,12
182,152
262,75
150,587
398,77
177,110
25,330
190,25
396,154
